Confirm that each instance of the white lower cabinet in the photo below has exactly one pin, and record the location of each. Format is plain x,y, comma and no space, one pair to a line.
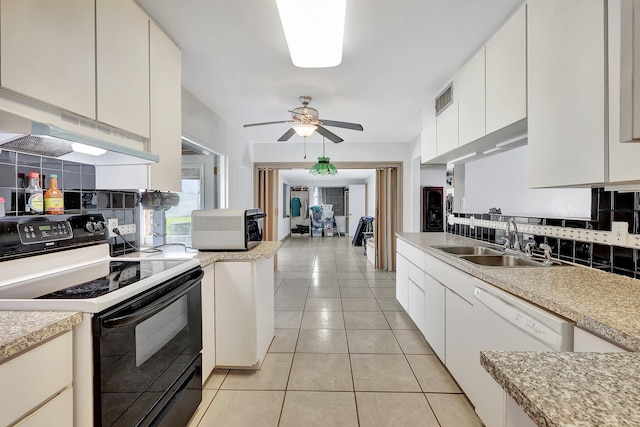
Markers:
516,417
435,315
39,383
417,297
244,312
402,281
459,336
208,322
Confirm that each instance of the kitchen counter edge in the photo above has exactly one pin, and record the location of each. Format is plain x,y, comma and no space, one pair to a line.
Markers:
21,330
264,250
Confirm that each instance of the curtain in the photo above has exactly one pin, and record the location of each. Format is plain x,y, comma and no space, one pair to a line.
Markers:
266,198
386,219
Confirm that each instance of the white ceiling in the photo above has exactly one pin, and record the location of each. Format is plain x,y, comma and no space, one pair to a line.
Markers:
397,56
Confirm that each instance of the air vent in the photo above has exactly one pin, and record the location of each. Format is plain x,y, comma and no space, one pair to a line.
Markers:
100,127
69,118
444,99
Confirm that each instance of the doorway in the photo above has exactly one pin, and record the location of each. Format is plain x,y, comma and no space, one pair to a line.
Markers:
392,206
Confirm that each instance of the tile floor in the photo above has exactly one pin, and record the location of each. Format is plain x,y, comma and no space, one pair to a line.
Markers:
345,353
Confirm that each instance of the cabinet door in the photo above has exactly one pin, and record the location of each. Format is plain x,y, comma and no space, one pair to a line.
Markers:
447,129
402,281
166,121
122,40
470,95
208,322
434,315
60,409
47,52
566,92
506,73
584,341
461,359
417,305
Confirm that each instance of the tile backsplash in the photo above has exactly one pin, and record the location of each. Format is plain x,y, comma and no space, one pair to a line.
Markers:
606,206
77,182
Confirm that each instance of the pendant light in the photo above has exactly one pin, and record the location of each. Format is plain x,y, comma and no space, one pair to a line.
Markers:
323,167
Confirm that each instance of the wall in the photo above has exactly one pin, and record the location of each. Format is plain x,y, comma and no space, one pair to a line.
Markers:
501,181
204,126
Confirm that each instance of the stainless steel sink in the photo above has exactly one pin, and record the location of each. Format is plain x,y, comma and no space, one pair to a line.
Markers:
469,250
507,261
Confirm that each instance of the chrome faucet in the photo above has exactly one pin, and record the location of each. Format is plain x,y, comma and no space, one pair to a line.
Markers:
512,241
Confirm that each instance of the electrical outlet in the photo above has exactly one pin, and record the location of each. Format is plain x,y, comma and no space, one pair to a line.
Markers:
111,224
127,229
619,231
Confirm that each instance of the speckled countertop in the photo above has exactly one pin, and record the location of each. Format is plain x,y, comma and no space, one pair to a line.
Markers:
20,330
607,304
262,251
570,389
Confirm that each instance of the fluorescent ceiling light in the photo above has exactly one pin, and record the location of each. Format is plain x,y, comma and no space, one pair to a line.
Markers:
491,150
461,158
314,30
511,141
304,130
87,149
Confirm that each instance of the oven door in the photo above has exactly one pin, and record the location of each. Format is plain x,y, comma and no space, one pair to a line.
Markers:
147,365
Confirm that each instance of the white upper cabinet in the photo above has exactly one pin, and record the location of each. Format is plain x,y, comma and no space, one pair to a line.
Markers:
47,52
122,40
447,129
166,123
470,95
506,73
567,94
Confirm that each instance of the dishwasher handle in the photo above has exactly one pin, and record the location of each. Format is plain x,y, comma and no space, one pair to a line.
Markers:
520,319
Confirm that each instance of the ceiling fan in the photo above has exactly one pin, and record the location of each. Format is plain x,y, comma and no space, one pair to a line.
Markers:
307,121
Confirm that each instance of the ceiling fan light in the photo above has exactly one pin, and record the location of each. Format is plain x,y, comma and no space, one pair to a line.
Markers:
323,167
314,30
304,129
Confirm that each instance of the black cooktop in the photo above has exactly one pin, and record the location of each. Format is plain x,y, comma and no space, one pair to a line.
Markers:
121,274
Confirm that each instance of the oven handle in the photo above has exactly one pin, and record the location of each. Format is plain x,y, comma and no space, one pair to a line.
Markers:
160,305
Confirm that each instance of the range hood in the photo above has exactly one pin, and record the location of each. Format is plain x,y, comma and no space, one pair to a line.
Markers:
81,140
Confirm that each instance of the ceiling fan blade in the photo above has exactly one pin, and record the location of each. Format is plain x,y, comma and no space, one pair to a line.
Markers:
288,134
266,123
346,125
332,136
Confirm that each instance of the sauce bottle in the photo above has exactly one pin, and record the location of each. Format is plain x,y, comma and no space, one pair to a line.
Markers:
34,203
53,199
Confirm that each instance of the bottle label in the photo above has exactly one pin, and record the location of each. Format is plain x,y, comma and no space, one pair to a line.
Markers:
35,203
54,205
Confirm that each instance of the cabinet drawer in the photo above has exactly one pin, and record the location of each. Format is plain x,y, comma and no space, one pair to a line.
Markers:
413,254
57,412
35,376
458,281
416,276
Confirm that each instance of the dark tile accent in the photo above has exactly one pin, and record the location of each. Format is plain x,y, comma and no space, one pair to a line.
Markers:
49,163
583,253
623,258
117,200
72,180
623,201
8,157
573,223
72,201
72,167
7,175
567,250
21,202
130,200
29,160
88,181
605,200
601,254
9,195
624,272
89,169
555,222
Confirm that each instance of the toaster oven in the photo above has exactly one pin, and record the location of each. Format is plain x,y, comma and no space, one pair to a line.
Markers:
226,229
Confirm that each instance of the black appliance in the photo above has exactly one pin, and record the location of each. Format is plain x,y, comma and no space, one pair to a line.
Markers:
144,333
432,213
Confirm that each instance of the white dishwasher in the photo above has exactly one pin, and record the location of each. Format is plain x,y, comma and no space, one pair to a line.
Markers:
505,322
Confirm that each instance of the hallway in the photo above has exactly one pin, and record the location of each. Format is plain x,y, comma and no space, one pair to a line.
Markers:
345,353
